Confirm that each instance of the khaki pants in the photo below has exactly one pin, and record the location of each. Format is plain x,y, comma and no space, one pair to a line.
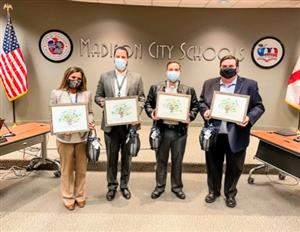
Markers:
72,158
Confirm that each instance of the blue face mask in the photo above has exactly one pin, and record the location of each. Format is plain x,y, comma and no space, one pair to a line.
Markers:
120,64
173,76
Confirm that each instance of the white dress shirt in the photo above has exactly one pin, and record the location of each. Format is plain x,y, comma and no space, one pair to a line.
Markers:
119,79
171,89
226,89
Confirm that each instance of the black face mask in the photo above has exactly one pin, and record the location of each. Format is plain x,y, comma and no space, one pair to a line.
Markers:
73,84
227,72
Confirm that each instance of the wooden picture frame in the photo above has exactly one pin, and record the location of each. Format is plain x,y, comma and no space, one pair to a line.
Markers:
121,111
229,107
175,107
69,118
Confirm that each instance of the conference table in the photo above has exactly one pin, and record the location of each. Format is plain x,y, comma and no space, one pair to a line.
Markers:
277,151
27,135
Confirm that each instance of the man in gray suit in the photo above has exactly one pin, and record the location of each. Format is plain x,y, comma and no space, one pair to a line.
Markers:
232,138
119,82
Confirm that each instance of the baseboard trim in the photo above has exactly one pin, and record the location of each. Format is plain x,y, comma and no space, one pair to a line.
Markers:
135,166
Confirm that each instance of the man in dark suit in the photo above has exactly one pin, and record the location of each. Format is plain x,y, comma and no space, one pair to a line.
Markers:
174,134
119,82
233,138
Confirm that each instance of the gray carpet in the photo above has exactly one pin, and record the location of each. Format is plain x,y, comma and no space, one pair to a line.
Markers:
33,203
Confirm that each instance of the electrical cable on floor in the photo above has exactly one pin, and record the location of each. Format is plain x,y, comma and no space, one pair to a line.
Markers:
281,181
30,151
34,152
34,149
18,172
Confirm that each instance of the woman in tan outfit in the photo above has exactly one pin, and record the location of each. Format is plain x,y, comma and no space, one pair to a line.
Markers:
71,146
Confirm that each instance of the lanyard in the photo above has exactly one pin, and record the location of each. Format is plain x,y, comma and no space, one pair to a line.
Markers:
120,86
76,98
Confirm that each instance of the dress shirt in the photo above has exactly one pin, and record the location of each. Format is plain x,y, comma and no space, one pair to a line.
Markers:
171,89
226,88
119,79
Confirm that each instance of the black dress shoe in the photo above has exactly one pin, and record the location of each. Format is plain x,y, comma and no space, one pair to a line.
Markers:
230,202
180,194
156,194
126,193
110,195
211,197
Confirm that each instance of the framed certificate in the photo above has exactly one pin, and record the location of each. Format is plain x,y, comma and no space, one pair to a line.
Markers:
229,107
175,107
69,118
121,111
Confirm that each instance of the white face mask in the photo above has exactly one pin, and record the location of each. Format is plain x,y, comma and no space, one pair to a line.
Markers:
120,64
173,76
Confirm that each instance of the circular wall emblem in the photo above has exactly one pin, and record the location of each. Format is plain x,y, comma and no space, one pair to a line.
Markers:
56,46
267,52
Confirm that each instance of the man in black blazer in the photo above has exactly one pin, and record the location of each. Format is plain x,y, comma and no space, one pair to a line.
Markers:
232,138
174,134
119,82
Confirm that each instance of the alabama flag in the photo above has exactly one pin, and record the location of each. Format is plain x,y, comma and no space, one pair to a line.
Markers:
293,90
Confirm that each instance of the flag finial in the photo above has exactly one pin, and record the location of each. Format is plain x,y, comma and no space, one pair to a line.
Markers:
7,7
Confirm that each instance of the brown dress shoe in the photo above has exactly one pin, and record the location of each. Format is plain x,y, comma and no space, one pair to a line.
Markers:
70,207
81,204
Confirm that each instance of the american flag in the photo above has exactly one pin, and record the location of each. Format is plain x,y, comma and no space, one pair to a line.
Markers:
13,71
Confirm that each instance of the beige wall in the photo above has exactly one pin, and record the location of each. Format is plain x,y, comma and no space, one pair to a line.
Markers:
217,28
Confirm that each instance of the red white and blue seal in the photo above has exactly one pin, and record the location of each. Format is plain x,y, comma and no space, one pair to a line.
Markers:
267,52
56,46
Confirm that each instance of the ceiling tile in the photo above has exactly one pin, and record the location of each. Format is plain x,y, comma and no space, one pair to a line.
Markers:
279,4
206,3
249,4
193,3
221,3
85,1
111,1
165,2
138,2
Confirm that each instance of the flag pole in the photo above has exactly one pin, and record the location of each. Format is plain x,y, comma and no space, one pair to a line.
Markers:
9,7
14,114
14,66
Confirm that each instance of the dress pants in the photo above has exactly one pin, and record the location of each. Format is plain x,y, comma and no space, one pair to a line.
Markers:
171,139
214,166
72,158
114,141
